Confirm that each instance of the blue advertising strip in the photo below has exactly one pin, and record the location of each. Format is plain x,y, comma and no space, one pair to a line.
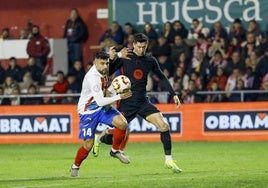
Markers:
157,12
35,124
235,121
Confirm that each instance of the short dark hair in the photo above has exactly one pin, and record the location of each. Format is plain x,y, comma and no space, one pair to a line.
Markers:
12,58
101,55
140,37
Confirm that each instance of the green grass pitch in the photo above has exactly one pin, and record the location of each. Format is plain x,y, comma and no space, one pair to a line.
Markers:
204,164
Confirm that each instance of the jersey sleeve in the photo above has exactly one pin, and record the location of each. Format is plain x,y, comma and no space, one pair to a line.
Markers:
114,65
163,79
98,94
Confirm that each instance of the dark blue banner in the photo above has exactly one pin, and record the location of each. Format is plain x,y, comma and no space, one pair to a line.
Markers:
235,121
35,124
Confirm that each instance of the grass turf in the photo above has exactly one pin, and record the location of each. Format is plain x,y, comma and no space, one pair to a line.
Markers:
204,164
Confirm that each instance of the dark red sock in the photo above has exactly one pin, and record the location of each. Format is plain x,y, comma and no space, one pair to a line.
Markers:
119,135
124,142
110,131
81,155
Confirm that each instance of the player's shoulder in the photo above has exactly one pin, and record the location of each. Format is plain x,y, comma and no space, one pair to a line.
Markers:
150,58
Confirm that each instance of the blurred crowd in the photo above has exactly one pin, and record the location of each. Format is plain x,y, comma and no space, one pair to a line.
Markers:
198,58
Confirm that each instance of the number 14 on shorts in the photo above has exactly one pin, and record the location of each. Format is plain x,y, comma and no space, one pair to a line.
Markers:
87,132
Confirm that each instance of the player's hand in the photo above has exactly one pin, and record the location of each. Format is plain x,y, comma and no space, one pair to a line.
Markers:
177,101
112,53
124,53
126,94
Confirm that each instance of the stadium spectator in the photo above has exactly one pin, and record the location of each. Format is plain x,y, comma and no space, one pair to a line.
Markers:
5,35
27,80
200,44
235,63
79,72
14,70
248,79
196,29
115,33
232,80
8,85
73,84
3,100
61,83
36,71
76,32
128,30
190,95
180,29
32,90
178,48
129,42
236,97
38,47
219,78
200,65
250,45
182,62
69,99
263,96
237,31
217,46
14,98
252,61
168,32
217,33
261,70
253,27
24,34
194,76
151,33
2,73
180,77
215,62
162,48
214,97
53,99
234,45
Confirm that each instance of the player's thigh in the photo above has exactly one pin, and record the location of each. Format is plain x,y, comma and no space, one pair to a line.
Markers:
158,120
87,126
113,117
120,121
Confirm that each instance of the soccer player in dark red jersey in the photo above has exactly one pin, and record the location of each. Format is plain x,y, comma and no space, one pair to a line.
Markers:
136,65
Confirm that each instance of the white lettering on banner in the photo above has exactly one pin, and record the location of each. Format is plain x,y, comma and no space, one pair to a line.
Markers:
141,125
232,121
250,9
34,124
164,11
151,13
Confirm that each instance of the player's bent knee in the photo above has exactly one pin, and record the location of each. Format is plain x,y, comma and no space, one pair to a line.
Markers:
120,122
164,127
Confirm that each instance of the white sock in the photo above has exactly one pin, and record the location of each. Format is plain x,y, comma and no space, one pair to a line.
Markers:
98,140
168,157
74,166
113,150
